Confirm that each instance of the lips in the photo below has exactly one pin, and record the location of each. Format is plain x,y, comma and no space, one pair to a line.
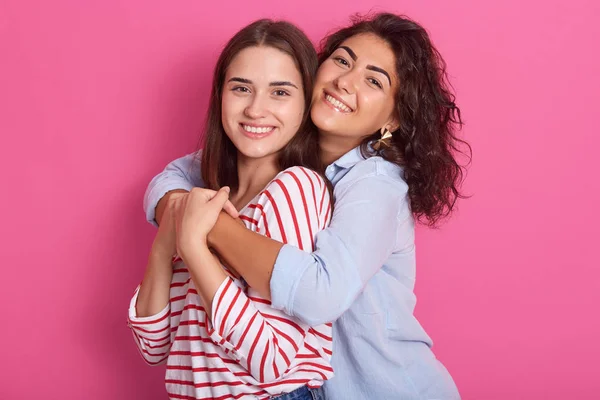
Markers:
336,103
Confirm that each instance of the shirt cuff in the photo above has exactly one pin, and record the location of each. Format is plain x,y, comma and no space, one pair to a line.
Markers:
289,267
157,192
155,321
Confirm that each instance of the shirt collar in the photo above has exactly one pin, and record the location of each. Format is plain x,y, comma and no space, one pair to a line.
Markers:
340,167
349,159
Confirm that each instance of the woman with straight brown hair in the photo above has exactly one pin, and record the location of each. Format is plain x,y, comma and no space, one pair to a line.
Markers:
220,338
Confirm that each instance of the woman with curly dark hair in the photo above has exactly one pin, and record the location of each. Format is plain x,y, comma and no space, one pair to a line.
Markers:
387,126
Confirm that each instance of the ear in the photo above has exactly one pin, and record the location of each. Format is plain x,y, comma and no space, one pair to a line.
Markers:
392,124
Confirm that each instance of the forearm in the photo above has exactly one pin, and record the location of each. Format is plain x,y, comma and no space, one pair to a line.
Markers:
252,255
207,274
154,291
276,338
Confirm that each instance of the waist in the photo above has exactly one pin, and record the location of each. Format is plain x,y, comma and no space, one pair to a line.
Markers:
402,370
303,393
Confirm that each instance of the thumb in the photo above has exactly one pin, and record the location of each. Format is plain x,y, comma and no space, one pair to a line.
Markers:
219,200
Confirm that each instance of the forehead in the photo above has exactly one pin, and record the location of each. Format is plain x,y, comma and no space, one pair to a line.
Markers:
264,62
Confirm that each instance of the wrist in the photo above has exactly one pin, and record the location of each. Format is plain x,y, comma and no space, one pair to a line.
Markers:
195,253
213,234
161,255
164,201
175,191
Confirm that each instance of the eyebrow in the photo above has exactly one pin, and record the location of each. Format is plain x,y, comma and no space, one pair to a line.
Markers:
349,51
282,83
249,82
371,67
380,70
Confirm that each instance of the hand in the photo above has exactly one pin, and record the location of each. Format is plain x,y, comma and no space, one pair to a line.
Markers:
172,195
197,214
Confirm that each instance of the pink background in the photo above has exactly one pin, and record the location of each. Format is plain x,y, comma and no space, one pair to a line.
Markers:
97,96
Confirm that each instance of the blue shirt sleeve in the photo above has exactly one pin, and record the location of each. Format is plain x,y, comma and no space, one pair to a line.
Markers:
183,173
318,287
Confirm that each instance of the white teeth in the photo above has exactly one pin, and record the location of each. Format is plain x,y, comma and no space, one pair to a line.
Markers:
337,103
254,129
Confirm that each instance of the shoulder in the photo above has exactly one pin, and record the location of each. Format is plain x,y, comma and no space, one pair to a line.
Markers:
375,173
196,159
298,178
297,188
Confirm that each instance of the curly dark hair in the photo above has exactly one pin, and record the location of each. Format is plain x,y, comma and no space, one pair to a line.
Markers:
425,143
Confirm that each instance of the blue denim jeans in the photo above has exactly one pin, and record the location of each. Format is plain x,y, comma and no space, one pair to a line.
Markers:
303,393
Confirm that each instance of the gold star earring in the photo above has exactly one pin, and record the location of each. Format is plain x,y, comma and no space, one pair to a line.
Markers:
383,141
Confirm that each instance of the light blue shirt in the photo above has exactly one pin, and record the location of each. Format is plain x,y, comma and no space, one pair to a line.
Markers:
361,276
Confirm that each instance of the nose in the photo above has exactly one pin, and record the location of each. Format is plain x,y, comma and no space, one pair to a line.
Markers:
346,82
257,107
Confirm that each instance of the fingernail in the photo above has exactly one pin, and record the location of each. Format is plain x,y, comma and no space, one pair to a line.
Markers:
226,188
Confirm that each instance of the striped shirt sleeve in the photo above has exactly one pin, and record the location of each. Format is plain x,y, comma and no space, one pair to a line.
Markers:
151,334
291,209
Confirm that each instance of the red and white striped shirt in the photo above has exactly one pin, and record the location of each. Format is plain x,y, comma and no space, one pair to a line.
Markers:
249,349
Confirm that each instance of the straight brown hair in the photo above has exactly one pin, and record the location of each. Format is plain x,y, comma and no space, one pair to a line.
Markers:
219,156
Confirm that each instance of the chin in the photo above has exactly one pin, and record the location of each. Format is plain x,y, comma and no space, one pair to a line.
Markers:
255,153
320,118
326,124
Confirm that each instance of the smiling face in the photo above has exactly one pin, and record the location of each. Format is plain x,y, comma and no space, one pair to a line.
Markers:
262,101
355,88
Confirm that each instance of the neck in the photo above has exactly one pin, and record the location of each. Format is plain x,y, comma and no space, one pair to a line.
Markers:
253,175
333,146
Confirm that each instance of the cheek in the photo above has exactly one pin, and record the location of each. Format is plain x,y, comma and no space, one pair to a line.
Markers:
231,107
325,74
225,106
291,114
374,109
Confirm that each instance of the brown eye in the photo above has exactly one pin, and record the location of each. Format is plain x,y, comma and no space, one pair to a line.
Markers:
242,89
375,82
341,61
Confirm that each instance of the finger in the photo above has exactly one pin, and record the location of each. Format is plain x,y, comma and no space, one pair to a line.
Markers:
180,205
218,201
230,209
175,207
205,195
